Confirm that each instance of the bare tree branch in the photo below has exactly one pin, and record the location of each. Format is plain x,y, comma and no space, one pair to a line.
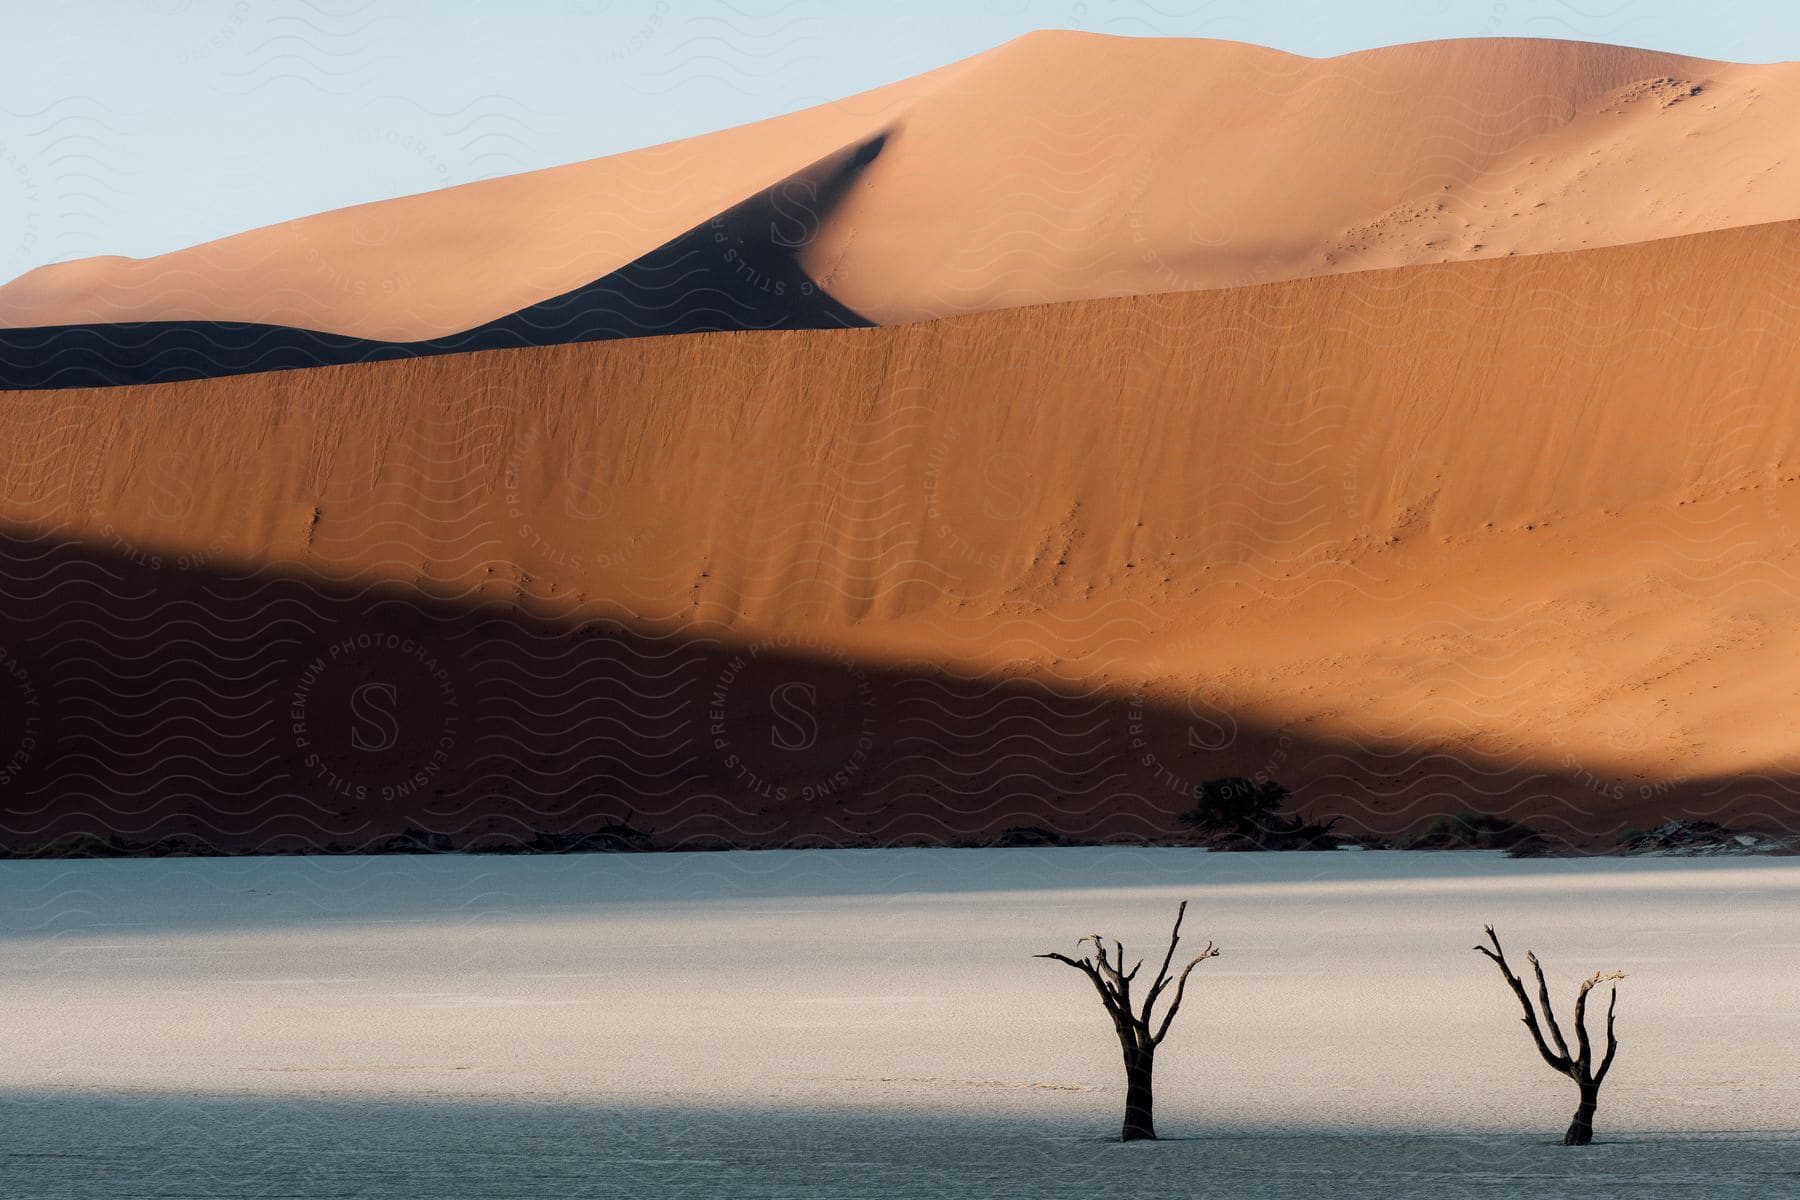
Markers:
1162,975
1498,957
1121,981
1584,1056
1106,966
1544,1001
1180,989
1587,1051
1087,968
1612,1043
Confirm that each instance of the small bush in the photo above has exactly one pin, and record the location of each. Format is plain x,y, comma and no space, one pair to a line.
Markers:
79,845
1235,813
1028,835
1476,831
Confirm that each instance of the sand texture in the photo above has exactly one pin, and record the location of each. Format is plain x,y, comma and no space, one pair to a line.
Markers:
1513,536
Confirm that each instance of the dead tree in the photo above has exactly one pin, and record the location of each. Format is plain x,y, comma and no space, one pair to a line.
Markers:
1580,1065
1113,982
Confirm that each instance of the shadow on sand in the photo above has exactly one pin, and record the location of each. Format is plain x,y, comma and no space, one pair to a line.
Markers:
154,698
739,270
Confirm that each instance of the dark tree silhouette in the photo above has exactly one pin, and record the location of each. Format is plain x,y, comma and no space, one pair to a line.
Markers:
1580,1065
1237,805
1242,813
1113,982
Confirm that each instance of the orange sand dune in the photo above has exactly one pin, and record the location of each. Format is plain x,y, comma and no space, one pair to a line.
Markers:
1059,166
1513,535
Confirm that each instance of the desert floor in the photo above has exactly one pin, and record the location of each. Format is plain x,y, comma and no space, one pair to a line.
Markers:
871,1023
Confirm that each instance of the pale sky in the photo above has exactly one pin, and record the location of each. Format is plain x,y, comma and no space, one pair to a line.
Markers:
139,126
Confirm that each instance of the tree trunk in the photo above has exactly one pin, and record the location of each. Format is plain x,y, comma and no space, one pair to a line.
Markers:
1139,1123
1581,1129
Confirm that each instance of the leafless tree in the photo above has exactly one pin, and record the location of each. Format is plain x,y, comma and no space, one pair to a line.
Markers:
1113,982
1580,1065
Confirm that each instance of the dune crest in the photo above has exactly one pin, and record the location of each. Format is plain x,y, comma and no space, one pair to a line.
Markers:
1060,166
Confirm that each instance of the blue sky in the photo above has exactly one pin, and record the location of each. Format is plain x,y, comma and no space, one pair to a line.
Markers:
138,126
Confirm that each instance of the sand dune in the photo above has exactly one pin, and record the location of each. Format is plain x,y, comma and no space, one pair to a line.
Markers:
1056,167
738,270
1512,535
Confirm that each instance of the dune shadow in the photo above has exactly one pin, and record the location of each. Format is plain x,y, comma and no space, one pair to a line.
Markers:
739,270
146,697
